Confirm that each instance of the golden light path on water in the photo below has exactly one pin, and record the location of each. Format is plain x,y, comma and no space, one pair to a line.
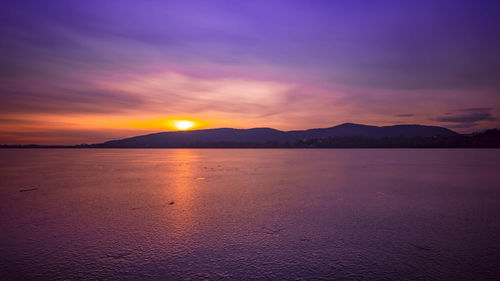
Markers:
249,214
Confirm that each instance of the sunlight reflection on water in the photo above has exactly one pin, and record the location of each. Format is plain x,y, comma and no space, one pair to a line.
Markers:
249,214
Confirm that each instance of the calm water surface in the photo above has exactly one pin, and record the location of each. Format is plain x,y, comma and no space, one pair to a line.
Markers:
236,214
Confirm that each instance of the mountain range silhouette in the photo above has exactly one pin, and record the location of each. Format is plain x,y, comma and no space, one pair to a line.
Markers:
230,137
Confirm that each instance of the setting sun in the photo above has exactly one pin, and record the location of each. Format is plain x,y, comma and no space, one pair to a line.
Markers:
183,125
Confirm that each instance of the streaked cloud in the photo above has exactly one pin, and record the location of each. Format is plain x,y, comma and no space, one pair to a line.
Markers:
103,65
469,119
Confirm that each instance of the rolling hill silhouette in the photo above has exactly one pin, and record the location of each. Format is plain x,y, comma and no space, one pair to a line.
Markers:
229,137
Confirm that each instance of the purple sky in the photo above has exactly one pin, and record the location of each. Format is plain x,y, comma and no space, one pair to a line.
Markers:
88,71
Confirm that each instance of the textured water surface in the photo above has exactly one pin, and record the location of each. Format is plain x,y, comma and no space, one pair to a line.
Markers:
234,214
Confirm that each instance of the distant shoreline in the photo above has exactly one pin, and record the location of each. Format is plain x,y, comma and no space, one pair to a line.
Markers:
249,148
238,139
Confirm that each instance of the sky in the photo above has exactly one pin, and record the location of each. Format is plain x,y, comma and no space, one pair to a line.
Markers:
76,72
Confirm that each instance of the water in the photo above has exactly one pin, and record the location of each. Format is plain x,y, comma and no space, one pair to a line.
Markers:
236,214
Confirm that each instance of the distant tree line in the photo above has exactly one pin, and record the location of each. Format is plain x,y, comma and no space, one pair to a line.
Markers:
486,139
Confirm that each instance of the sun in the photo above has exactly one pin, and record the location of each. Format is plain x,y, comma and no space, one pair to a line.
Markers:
183,124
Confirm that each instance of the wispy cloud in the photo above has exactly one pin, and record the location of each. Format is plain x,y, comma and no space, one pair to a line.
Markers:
469,119
287,64
476,109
